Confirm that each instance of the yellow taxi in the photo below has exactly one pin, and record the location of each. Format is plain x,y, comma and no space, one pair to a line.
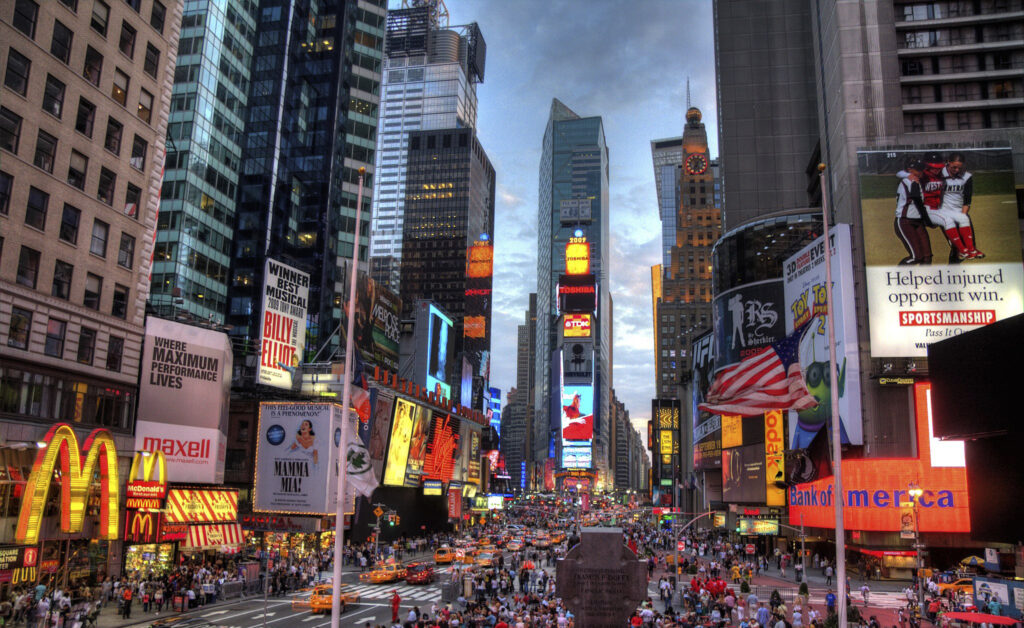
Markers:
485,559
542,541
514,545
557,537
320,601
963,585
390,572
444,555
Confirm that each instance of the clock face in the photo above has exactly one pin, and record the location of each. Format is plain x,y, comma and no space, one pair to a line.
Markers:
696,164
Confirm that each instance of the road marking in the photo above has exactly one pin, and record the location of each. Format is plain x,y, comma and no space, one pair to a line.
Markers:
214,613
311,618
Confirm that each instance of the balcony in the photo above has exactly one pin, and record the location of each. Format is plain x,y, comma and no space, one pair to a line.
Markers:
963,77
959,48
964,20
963,105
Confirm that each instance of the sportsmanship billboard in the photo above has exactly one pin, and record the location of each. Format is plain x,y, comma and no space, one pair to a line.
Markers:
282,324
577,426
944,257
183,399
296,455
804,279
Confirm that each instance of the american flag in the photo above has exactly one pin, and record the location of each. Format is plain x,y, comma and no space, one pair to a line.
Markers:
770,379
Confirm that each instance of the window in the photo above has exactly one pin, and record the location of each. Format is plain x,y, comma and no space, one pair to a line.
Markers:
71,4
77,169
115,347
18,66
134,4
93,290
126,251
139,147
60,44
35,209
53,96
55,338
86,117
157,15
127,41
100,17
28,267
112,141
152,61
86,345
10,129
119,307
62,272
93,67
119,90
6,185
17,333
69,224
98,246
46,150
25,14
132,194
105,190
145,111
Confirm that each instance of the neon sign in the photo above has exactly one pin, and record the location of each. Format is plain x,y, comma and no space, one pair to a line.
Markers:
576,326
577,257
61,445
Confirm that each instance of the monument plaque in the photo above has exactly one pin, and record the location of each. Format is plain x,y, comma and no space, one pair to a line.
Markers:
600,580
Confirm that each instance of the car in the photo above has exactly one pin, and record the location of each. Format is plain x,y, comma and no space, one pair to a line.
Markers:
321,599
444,555
485,559
514,545
389,572
963,585
542,542
419,573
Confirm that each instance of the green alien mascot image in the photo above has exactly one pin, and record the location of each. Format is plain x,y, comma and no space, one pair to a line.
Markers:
814,361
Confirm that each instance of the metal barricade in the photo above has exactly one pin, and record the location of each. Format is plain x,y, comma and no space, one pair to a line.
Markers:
231,590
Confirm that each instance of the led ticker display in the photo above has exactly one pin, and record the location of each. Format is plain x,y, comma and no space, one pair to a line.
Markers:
577,256
758,526
576,326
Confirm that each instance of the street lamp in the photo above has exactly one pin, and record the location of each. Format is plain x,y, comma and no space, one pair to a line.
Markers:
915,492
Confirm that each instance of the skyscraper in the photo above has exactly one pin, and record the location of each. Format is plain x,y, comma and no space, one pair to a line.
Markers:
667,155
192,259
572,196
311,125
430,83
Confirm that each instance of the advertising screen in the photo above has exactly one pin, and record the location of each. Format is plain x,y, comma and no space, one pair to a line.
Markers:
577,293
183,399
380,426
577,256
577,457
295,454
578,362
576,326
804,277
707,428
952,268
874,488
418,447
433,488
440,327
577,415
758,526
376,325
747,319
398,447
443,448
282,324
743,478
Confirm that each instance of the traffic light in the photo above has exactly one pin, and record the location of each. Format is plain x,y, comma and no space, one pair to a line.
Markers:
398,520
391,520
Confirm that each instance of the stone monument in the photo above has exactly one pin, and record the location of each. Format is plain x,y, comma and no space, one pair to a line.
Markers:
600,580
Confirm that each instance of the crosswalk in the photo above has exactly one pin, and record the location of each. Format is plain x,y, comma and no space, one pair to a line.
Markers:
881,599
423,593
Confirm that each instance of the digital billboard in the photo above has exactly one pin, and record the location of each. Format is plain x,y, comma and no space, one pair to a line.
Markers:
576,326
398,446
743,476
578,361
380,426
577,293
577,425
804,279
942,244
282,324
443,448
376,326
707,428
748,318
749,527
418,446
440,327
577,256
874,488
295,457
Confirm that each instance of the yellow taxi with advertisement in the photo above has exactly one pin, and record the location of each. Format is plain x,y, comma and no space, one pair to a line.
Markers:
321,599
389,572
444,555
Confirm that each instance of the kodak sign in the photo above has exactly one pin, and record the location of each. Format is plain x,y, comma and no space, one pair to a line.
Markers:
61,448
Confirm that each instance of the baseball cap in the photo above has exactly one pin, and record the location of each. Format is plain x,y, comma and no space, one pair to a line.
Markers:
935,160
915,164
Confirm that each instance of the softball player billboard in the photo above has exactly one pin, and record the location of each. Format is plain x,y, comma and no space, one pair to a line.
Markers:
941,245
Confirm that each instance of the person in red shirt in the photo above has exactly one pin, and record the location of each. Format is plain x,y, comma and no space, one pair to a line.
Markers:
395,602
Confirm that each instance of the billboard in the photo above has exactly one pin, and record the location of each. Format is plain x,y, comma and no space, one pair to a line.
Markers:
743,475
748,318
376,326
282,323
439,328
578,361
417,446
577,256
295,458
804,279
405,417
443,448
951,269
575,210
749,527
874,488
576,325
577,293
184,394
707,428
380,426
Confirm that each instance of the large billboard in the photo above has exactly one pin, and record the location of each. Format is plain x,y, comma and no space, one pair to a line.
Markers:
743,475
376,326
406,414
941,245
417,447
184,394
296,454
282,323
748,318
442,449
433,330
874,488
577,425
707,427
380,426
804,278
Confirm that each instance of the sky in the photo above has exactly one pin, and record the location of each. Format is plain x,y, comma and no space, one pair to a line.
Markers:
627,62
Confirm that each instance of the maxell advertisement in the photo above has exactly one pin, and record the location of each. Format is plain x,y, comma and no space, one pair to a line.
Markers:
296,455
804,278
283,323
183,399
941,245
707,428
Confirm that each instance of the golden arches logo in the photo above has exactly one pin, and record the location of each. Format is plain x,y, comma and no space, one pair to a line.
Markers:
148,462
143,527
61,446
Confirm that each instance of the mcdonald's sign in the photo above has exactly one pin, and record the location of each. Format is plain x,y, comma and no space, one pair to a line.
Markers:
147,492
142,527
61,446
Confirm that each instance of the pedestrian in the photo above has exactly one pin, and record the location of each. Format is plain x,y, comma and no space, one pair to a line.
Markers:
830,602
865,591
828,575
126,602
395,602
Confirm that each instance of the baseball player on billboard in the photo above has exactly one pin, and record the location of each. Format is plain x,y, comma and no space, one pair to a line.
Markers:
911,223
956,204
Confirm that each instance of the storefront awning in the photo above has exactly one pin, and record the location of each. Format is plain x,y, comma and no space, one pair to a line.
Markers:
223,537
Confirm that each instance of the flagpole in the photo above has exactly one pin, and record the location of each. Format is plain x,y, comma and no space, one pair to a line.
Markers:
346,400
837,445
